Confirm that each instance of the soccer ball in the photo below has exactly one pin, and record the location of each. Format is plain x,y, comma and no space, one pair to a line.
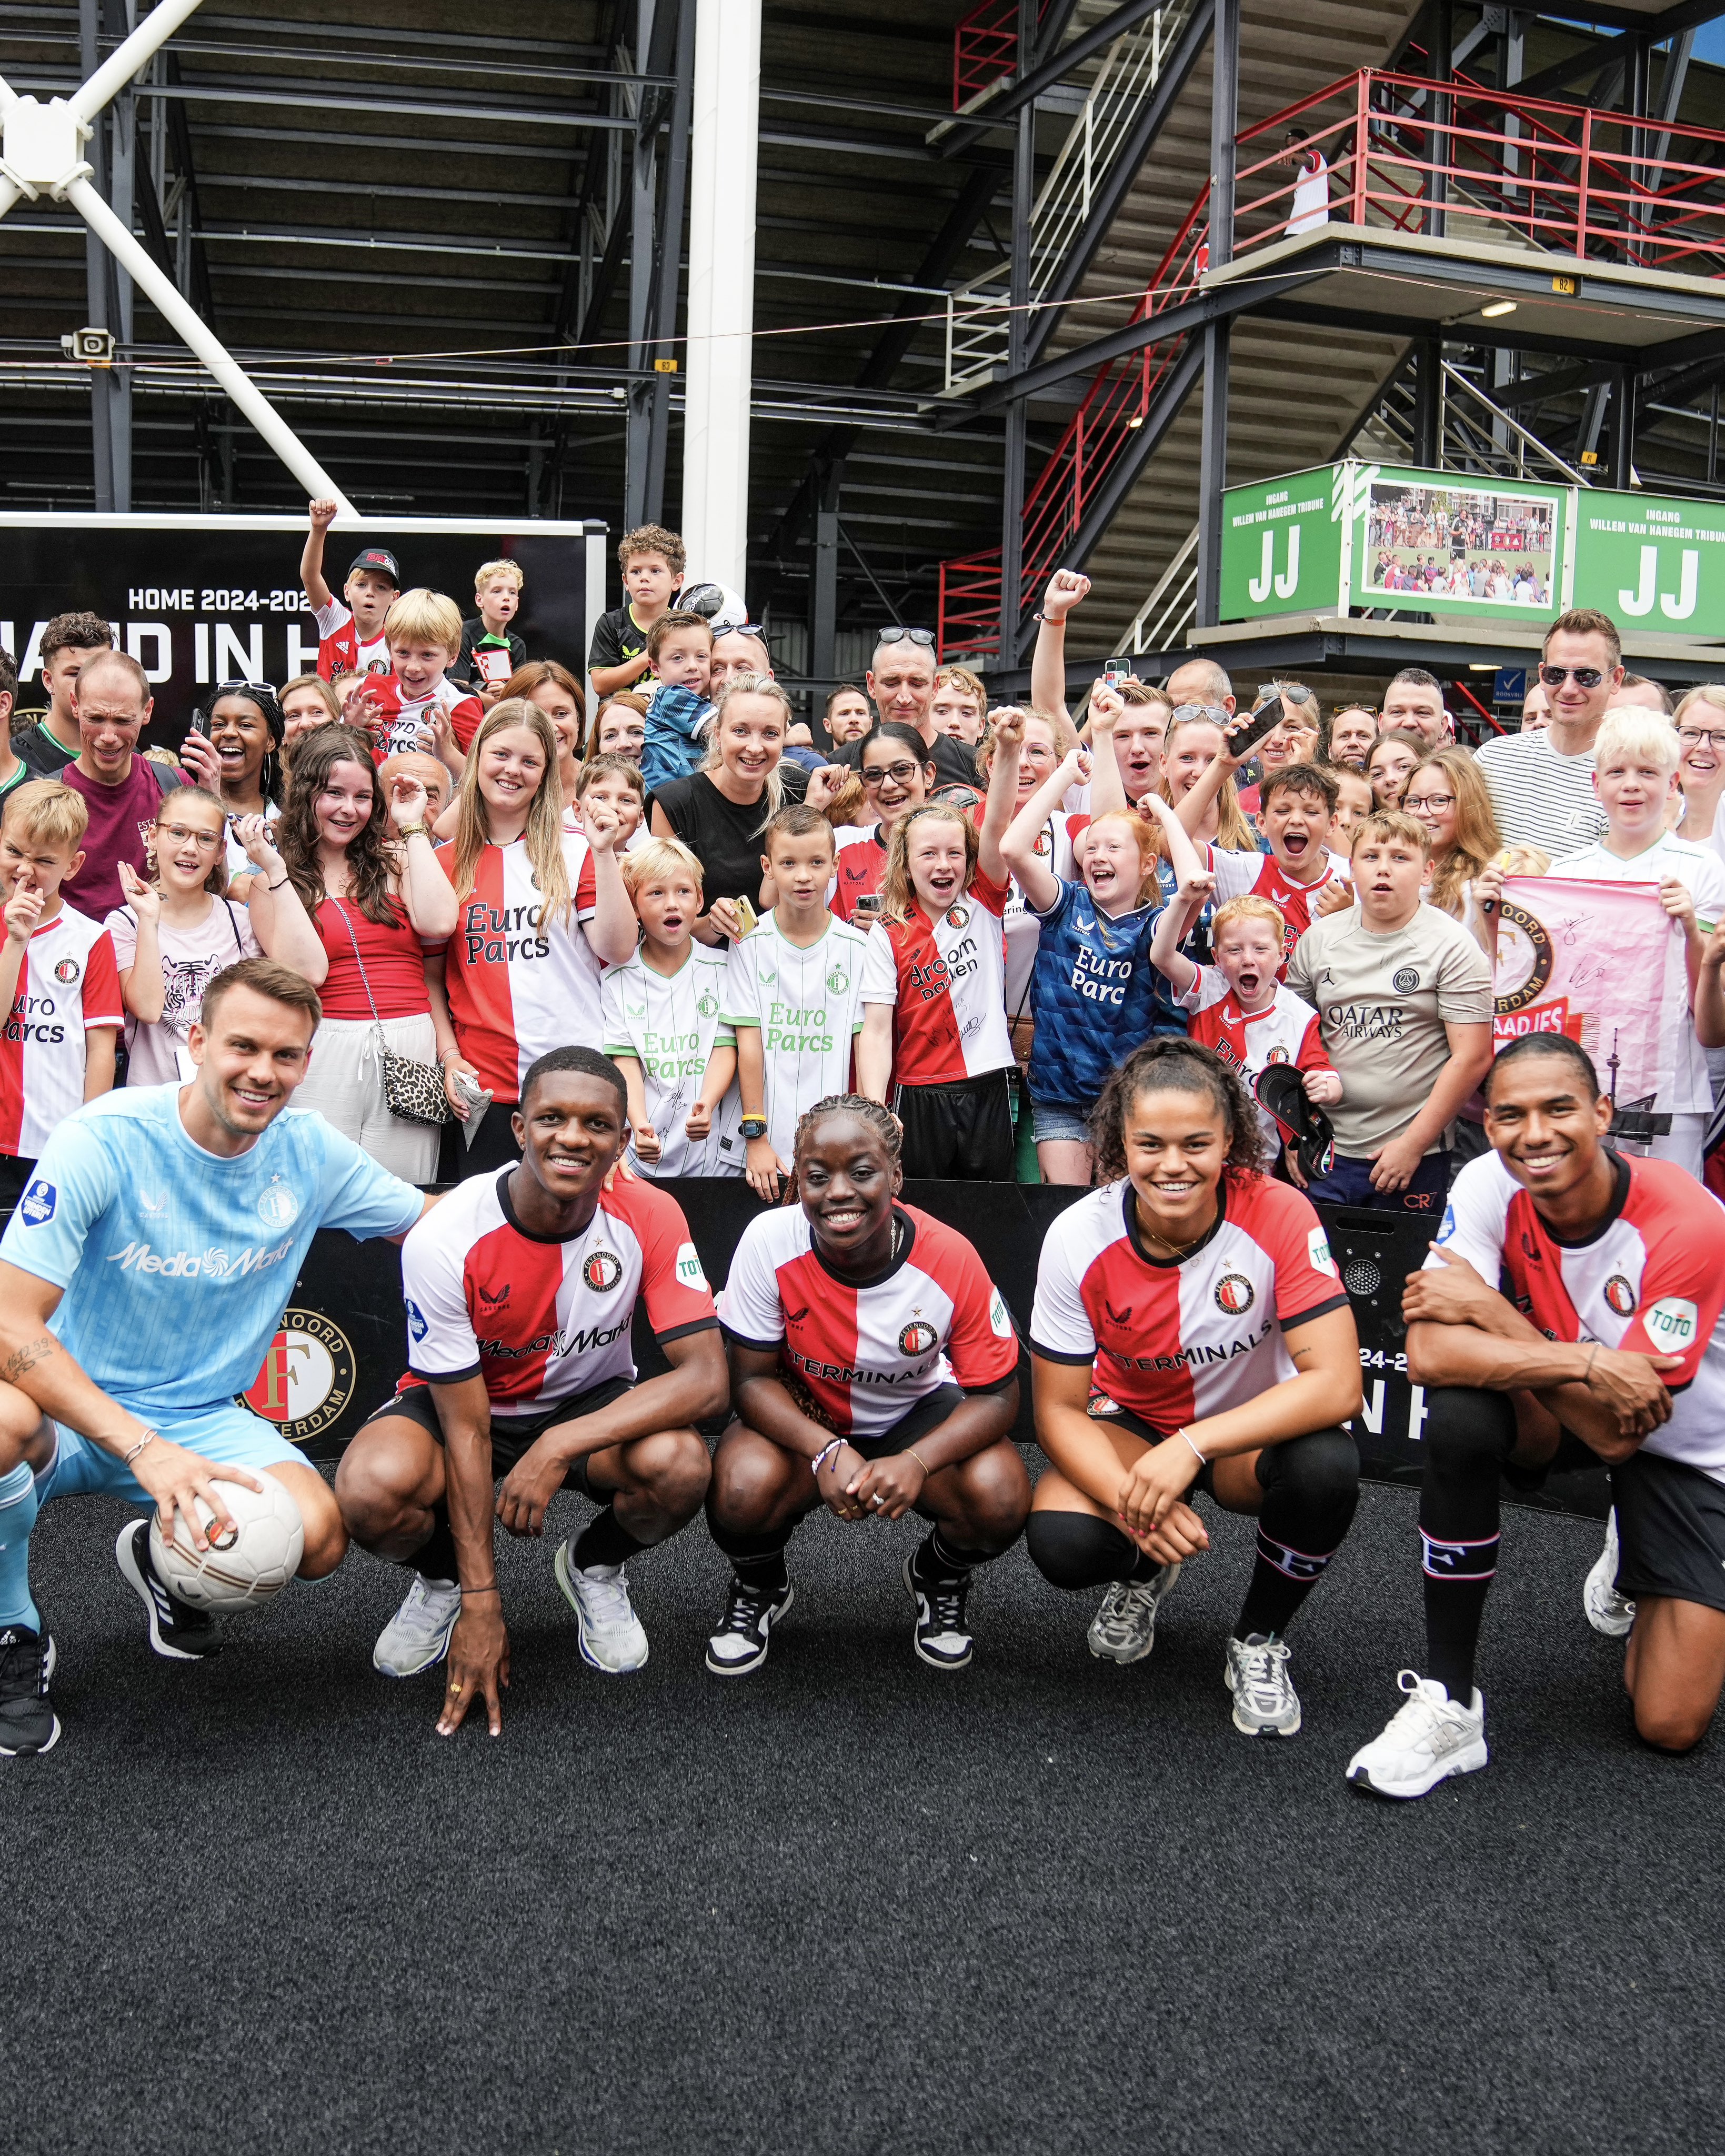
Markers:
717,604
255,1558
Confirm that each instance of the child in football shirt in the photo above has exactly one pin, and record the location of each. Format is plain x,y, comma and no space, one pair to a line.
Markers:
1297,806
1240,1006
615,781
418,707
652,562
1093,991
935,1045
520,975
662,1022
491,653
793,991
58,982
897,775
351,638
1403,996
679,715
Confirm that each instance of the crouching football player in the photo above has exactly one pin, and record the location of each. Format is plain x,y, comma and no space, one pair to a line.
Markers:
519,1308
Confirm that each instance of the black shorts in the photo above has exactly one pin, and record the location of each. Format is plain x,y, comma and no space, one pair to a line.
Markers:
928,1413
961,1132
1671,1531
1119,1418
513,1435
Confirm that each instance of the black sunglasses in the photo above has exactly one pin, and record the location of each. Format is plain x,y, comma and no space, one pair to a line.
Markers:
896,633
1585,677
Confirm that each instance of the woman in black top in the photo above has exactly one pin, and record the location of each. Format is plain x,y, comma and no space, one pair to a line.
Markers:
721,811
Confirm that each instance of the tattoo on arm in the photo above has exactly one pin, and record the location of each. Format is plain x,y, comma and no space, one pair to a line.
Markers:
28,1357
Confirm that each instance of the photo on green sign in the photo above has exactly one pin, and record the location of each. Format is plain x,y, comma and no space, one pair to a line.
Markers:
1451,546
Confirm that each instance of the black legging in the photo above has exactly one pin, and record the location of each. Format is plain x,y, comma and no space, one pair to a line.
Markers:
1310,1486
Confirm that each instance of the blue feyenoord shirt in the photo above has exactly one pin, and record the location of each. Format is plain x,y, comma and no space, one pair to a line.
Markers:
1095,994
177,1265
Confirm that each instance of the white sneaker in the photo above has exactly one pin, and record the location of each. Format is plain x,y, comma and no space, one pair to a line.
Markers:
417,1635
1125,1629
1607,1610
1265,1701
612,1638
1430,1738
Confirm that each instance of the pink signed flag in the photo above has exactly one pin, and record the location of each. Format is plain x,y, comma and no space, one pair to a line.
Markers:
1594,961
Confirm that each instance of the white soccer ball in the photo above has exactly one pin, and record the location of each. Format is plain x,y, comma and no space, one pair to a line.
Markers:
716,603
254,1560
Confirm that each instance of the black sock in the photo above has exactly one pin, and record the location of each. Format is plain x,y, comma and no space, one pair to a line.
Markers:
1311,1486
937,1558
1468,1436
757,1560
1076,1550
604,1540
435,1559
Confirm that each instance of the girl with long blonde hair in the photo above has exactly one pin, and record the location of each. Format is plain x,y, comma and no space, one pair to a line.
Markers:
541,907
1447,796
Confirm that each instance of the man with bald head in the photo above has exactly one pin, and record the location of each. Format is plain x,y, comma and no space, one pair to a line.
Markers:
901,687
1202,681
737,651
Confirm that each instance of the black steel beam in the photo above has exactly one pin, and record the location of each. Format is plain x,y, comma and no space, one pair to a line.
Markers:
1116,183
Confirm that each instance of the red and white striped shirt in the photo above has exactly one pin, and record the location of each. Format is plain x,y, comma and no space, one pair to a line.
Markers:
542,1320
68,983
516,989
398,728
946,980
1238,873
1175,1341
1288,1032
338,650
866,1355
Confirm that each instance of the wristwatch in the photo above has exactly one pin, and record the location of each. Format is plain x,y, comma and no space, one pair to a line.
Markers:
754,1127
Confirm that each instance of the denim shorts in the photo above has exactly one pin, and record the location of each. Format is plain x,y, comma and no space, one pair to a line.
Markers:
1049,1120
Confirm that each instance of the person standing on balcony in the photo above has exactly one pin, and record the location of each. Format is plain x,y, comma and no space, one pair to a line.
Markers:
1311,194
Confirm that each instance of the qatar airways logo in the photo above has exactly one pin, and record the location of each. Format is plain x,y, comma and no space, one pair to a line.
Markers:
191,1264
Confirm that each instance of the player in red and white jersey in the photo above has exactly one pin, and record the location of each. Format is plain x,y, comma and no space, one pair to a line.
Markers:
1191,1330
1297,806
874,1369
1570,1312
522,973
934,1031
59,981
350,638
520,1297
1240,1007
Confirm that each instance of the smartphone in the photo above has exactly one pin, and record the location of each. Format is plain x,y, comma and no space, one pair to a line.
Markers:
201,722
867,907
1243,737
746,917
1117,670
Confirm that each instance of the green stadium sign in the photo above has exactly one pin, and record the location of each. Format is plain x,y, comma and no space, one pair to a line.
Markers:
1651,562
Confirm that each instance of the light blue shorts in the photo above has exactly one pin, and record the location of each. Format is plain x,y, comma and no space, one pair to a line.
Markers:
1051,1122
231,1435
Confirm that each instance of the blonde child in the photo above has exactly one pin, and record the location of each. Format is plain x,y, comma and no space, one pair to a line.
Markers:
490,651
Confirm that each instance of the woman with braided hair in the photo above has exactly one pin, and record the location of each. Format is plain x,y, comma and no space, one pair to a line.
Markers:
874,1370
1191,1331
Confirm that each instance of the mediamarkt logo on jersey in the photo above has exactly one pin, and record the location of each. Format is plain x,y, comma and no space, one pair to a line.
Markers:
191,1264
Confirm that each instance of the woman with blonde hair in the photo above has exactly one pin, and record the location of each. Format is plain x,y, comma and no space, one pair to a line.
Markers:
1700,722
521,974
1447,796
721,811
558,694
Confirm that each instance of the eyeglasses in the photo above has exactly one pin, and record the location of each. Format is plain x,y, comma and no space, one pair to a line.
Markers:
1692,738
1212,714
241,688
901,774
896,633
1437,803
754,629
1585,677
181,835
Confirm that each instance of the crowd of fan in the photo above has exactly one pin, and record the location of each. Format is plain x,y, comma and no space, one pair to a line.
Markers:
971,915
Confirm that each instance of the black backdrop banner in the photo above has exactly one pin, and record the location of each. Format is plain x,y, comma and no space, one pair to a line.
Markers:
200,599
343,1344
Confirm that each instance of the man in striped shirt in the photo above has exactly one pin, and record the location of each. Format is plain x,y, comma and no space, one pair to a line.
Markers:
1541,783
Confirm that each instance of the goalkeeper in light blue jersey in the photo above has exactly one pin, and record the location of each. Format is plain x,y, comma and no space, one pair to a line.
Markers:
143,1277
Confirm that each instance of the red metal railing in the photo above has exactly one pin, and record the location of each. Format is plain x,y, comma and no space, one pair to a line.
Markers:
985,47
1561,179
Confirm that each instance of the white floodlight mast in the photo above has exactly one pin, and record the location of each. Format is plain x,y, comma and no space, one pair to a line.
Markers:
43,154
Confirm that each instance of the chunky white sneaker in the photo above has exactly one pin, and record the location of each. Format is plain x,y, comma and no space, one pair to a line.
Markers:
1265,1701
612,1637
1607,1610
417,1635
1430,1738
1125,1629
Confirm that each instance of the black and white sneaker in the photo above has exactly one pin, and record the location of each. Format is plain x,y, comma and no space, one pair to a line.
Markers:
939,1634
177,1630
742,1639
28,1721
